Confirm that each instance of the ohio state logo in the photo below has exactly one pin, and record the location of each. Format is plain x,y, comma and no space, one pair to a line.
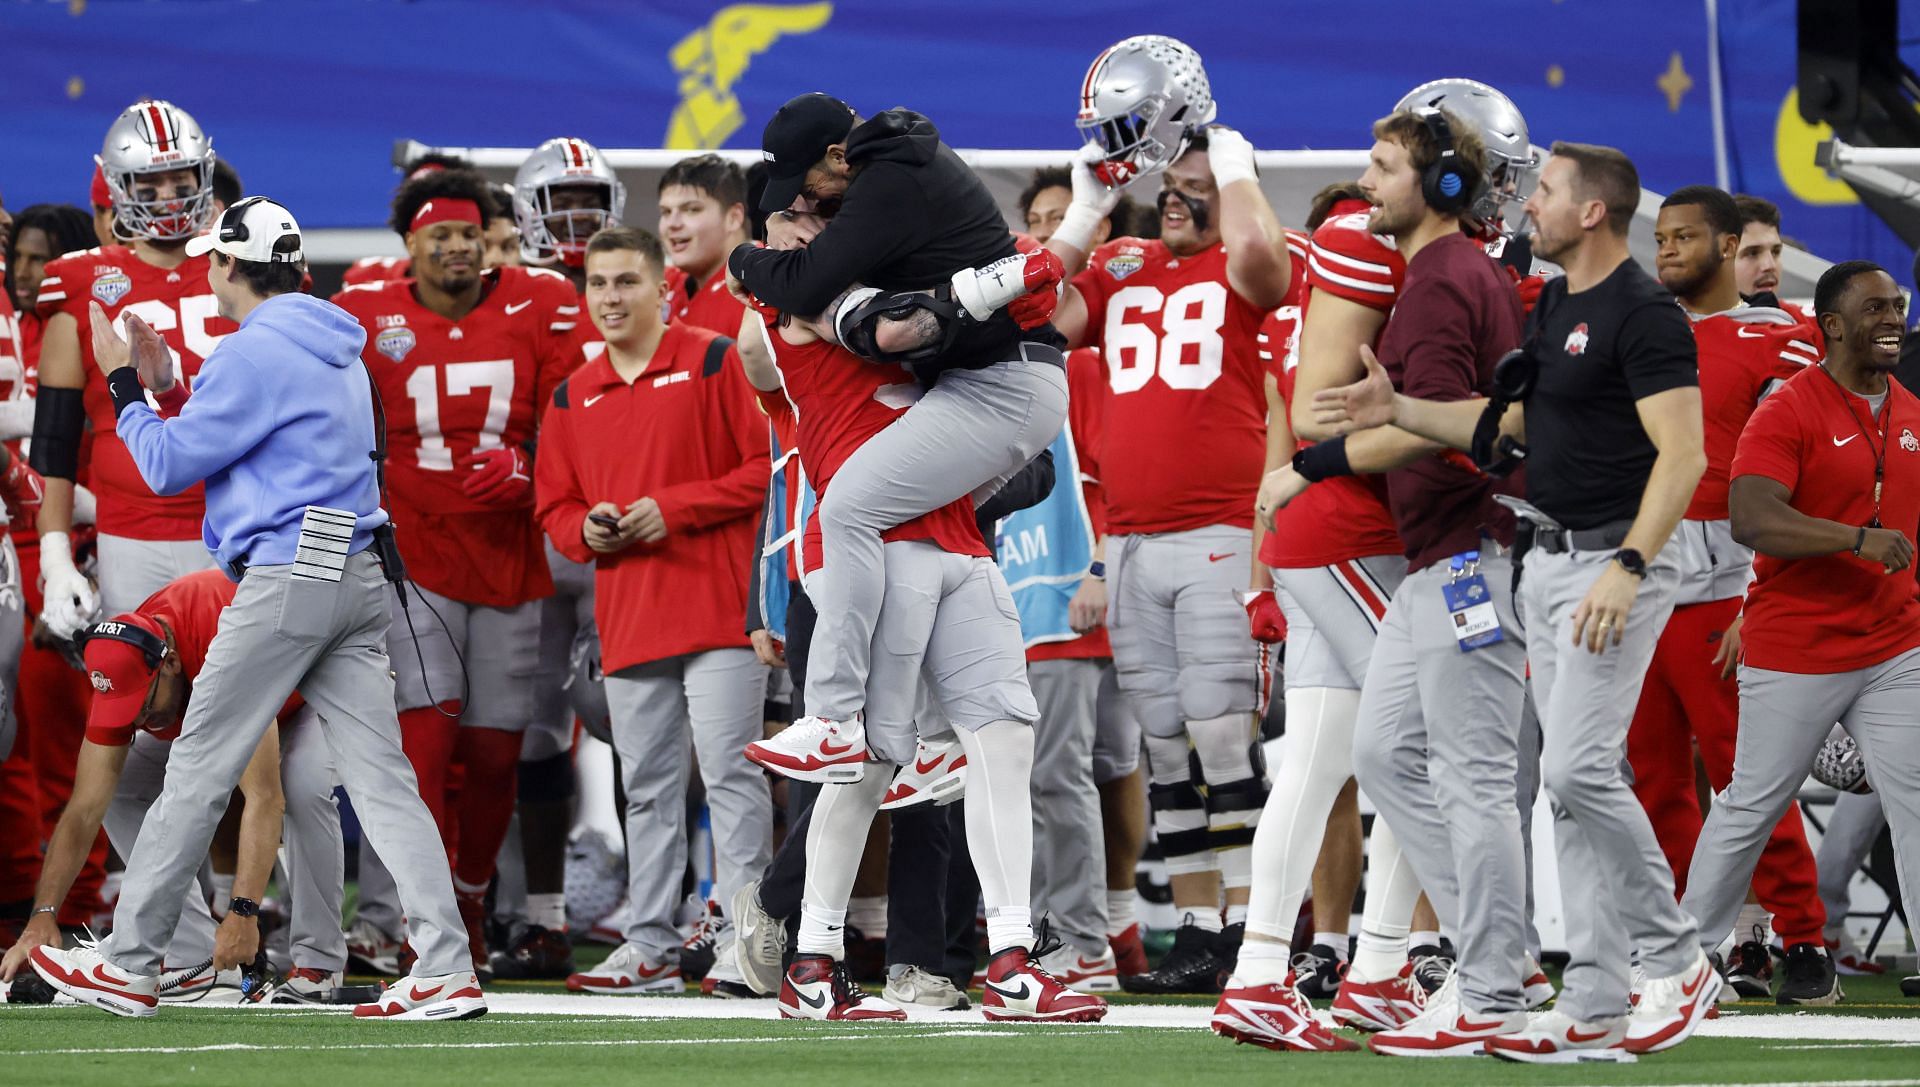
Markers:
1577,340
100,681
1908,442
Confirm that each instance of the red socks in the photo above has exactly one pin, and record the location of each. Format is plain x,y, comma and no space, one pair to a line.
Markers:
490,759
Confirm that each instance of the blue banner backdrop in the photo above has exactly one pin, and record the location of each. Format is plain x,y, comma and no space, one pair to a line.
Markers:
306,98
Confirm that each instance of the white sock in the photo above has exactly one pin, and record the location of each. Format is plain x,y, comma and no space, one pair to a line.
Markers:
1755,923
222,892
822,931
835,840
868,913
1423,938
1392,893
548,911
1205,920
1120,911
1378,957
1335,940
1236,915
1000,827
1262,962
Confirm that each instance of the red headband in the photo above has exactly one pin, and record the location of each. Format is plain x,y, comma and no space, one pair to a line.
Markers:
443,209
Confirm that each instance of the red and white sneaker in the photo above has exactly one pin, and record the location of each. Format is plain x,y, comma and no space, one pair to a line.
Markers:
1539,989
444,996
1274,1016
1092,974
1017,990
817,987
1671,1007
1129,951
1379,1005
937,775
1556,1038
626,971
1445,1029
815,749
85,975
1848,960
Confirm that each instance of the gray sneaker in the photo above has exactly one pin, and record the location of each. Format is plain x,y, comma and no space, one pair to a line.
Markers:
912,985
759,941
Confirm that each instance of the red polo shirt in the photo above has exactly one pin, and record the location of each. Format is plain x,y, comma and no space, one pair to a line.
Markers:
1833,613
688,433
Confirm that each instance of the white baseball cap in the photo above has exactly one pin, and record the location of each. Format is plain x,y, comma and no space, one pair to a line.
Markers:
248,231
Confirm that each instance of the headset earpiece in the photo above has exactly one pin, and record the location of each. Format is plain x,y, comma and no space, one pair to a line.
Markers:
1446,184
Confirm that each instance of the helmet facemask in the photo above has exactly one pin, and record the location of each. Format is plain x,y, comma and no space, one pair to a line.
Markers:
548,234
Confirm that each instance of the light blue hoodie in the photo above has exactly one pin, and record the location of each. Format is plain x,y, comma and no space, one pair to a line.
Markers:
280,419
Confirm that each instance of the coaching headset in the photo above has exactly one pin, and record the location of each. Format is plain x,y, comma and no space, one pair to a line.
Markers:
152,647
1446,183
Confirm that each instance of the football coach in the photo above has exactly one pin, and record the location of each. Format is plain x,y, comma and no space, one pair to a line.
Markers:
281,425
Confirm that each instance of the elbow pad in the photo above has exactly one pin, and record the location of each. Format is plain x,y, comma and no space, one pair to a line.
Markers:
857,321
59,417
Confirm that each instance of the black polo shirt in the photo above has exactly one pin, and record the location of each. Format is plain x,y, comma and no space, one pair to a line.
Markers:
1600,350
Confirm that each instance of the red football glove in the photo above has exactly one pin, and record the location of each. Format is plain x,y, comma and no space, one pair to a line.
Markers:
1528,287
1264,615
499,477
1041,275
21,488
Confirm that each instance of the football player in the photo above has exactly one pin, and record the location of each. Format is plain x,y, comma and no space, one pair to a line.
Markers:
703,215
461,356
563,194
1181,450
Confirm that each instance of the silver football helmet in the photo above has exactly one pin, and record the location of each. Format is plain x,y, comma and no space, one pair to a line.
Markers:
548,234
1512,165
1141,102
154,137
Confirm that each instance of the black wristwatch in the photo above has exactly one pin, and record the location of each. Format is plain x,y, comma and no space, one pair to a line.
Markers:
244,907
1631,561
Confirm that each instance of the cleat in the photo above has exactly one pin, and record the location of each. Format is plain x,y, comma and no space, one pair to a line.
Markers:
1671,1007
815,749
759,942
937,775
817,987
536,953
371,951
1431,966
1809,977
1129,951
1019,989
1319,969
1379,1005
697,950
1910,985
916,986
1096,974
1750,971
1274,1017
85,975
1554,1038
1445,1029
1539,989
1192,966
445,996
626,971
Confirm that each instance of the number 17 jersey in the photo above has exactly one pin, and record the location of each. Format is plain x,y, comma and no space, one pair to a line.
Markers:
1185,431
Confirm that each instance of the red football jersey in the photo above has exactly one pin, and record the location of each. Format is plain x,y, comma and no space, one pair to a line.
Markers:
1346,517
451,389
841,400
180,306
1744,354
706,305
1185,433
1833,613
376,270
1086,410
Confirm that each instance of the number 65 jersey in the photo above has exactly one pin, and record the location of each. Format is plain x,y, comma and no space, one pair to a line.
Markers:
180,306
451,389
1185,431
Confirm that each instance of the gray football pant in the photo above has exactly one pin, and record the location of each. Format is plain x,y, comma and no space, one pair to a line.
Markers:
1614,880
968,435
1853,826
13,638
1784,718
326,640
1069,853
665,713
1437,749
132,570
141,779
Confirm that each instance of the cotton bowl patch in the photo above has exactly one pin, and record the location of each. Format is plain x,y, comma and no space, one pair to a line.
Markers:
111,287
1126,264
394,343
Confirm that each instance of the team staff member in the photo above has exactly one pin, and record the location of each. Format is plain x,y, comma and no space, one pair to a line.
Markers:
1826,488
1689,697
661,437
280,429
1616,454
703,217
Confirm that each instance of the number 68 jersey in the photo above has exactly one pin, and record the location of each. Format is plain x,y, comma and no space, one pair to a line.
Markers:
451,389
1184,436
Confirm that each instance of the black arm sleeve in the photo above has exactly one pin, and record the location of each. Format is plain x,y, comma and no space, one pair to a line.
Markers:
886,216
59,416
1029,487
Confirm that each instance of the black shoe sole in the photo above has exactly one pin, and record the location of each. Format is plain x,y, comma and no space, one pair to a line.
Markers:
1910,986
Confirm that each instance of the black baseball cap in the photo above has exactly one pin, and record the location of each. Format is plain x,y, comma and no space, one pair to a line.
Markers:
797,137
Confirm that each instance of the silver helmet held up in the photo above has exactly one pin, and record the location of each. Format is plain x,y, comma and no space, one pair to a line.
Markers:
1141,102
1511,161
547,234
151,137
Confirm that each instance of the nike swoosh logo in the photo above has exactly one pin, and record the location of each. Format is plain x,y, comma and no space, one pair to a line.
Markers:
1698,980
827,748
926,767
1837,443
518,306
100,975
1022,993
1463,1025
1216,558
427,995
817,1001
591,400
1575,1036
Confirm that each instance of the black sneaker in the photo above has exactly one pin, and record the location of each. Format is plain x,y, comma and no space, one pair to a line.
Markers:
1809,977
1750,970
535,953
1318,970
1192,966
1910,986
1431,965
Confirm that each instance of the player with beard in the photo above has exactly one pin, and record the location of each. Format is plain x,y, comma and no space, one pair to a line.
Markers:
703,217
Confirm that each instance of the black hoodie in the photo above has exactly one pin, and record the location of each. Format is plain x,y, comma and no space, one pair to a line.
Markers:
913,215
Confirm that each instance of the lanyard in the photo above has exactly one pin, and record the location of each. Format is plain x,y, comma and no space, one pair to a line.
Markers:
1879,451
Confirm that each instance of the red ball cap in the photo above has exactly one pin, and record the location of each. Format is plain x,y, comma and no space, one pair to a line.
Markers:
119,673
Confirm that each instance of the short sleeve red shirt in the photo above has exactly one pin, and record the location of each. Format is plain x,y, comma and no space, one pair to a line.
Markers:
1832,613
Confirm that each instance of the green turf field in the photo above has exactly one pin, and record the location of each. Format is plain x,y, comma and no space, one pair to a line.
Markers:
202,1046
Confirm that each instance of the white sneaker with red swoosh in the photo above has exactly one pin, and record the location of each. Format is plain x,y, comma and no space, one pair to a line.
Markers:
1671,1007
1557,1038
628,970
445,996
86,976
1445,1029
1539,989
1087,973
815,749
937,775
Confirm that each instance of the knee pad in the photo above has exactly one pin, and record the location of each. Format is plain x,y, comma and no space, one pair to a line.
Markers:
548,780
1217,688
1179,809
